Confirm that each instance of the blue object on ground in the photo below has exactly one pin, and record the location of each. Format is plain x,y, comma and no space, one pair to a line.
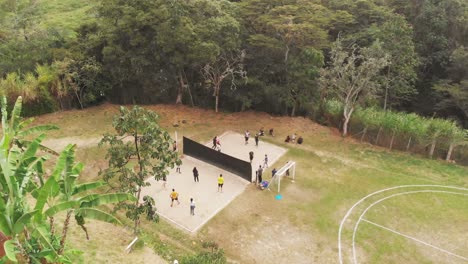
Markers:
278,197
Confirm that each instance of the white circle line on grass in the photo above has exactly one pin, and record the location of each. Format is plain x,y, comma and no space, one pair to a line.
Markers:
391,196
340,254
415,239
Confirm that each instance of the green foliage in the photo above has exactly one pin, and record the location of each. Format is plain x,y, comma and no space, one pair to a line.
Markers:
149,146
205,258
350,77
22,179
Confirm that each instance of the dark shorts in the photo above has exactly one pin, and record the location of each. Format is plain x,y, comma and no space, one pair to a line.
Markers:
220,184
175,199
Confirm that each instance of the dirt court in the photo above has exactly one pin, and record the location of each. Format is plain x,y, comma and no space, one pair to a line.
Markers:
205,193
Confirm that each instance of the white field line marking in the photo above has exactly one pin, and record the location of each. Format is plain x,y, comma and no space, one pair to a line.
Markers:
385,198
415,239
340,254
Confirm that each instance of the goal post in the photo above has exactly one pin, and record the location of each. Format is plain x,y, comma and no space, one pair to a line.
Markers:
287,170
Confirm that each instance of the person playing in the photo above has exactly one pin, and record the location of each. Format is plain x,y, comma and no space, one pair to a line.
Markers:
220,183
256,140
164,179
195,174
288,139
174,197
246,136
265,161
262,132
218,144
271,132
259,174
300,140
178,168
251,155
174,146
215,142
192,207
273,172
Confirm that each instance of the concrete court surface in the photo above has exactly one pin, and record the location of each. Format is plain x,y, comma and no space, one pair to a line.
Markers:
234,145
207,199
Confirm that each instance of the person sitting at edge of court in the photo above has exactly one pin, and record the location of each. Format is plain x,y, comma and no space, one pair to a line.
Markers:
262,132
288,139
271,132
293,138
300,140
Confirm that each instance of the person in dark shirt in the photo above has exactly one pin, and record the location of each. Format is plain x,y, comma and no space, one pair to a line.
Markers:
273,172
256,140
259,174
215,140
195,174
300,140
271,132
251,156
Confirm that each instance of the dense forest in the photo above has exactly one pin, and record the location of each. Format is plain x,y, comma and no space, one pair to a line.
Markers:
279,56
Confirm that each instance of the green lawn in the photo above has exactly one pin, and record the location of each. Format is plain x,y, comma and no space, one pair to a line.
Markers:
332,174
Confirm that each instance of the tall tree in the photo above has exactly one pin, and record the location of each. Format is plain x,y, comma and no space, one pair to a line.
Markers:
227,65
400,75
351,76
140,149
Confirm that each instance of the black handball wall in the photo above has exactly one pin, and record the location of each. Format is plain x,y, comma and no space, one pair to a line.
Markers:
239,167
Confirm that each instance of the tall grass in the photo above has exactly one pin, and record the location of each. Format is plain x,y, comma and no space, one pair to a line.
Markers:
407,128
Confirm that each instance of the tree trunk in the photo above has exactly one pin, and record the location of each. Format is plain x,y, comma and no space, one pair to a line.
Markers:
391,140
378,136
52,226
347,117
293,110
64,232
217,100
345,126
431,151
180,89
363,134
450,150
408,145
135,227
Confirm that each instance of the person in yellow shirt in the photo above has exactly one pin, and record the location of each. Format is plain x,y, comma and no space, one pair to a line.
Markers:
174,196
220,183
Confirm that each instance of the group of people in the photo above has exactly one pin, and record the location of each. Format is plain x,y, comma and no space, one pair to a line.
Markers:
175,195
292,139
260,133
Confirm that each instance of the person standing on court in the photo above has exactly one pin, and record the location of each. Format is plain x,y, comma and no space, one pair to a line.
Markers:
246,136
215,142
256,140
273,172
220,182
259,174
192,207
174,146
174,197
195,174
251,155
265,161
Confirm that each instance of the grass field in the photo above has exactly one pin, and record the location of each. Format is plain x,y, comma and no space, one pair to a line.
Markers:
332,175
